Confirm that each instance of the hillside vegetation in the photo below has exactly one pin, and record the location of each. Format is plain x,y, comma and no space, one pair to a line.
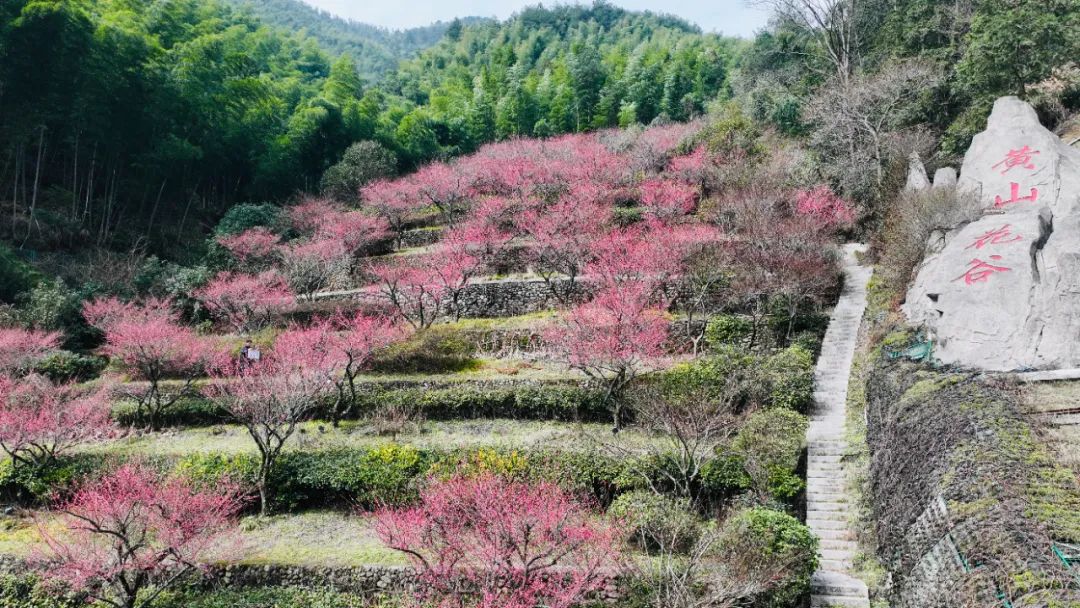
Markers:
376,50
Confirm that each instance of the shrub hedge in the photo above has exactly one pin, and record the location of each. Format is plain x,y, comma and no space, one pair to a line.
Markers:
369,477
519,401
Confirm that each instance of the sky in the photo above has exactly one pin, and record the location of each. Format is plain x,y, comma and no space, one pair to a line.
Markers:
731,17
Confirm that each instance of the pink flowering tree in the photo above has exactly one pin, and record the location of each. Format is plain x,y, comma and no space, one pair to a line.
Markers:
694,168
420,288
246,302
161,356
132,534
490,542
311,214
354,230
394,201
444,186
311,266
332,237
668,200
270,398
486,233
562,236
613,339
639,254
21,348
343,347
40,420
253,248
827,209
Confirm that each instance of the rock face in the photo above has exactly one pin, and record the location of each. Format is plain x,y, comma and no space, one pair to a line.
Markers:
1003,292
916,175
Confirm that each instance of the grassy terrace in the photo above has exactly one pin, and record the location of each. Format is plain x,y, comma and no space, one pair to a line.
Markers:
314,538
436,435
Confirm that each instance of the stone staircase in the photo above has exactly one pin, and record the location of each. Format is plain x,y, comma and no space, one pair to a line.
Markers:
828,507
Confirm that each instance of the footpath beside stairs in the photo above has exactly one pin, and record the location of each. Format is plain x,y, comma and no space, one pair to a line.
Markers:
828,508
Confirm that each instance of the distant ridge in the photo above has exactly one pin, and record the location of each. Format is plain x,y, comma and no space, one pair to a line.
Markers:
376,50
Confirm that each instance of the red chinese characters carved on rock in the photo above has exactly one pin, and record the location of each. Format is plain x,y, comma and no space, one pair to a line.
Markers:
1014,191
999,236
1017,158
980,271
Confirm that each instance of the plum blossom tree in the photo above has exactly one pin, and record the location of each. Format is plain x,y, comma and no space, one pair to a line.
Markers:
445,186
354,230
132,530
254,247
485,235
151,345
829,211
393,201
270,398
668,200
641,254
419,288
343,347
613,339
511,544
562,236
40,420
311,214
311,266
246,302
694,168
21,348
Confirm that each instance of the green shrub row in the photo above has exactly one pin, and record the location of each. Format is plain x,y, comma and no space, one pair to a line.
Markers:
385,475
519,401
24,591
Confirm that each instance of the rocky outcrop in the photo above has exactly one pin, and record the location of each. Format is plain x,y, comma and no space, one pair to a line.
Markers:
1003,292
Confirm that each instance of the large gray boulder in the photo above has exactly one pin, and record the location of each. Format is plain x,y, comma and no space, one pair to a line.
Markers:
916,175
1003,292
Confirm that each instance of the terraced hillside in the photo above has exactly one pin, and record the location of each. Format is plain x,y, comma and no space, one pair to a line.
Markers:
617,313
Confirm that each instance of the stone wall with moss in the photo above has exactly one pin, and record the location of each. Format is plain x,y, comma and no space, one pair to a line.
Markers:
967,500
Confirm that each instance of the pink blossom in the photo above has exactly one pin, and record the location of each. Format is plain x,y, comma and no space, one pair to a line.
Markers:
21,348
613,338
311,214
821,204
668,200
270,397
520,544
353,229
394,201
132,527
245,302
40,420
151,346
420,287
252,245
562,236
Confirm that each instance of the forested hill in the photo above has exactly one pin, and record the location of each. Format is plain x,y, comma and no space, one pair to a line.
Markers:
375,50
564,69
131,122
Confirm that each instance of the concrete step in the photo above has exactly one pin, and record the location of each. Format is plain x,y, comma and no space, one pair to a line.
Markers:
827,506
836,584
838,544
841,534
820,521
834,565
844,516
